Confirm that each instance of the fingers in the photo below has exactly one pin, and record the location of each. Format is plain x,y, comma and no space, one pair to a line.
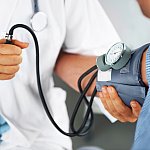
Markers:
109,106
10,60
9,65
20,44
121,108
6,76
2,41
9,69
117,102
10,49
8,72
115,106
136,108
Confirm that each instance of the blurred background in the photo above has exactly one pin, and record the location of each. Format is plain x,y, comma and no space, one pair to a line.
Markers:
134,30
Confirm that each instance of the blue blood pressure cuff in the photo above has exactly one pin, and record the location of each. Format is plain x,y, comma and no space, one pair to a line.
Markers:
127,80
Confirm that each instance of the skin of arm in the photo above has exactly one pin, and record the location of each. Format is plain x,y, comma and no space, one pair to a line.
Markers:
69,67
145,6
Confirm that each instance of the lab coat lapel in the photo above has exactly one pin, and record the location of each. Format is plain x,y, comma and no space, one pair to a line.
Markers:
6,13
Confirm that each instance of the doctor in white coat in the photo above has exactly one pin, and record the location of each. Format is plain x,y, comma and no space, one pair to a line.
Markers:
83,31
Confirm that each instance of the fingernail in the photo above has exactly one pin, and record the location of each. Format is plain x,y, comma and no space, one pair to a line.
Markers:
133,104
104,90
109,89
26,43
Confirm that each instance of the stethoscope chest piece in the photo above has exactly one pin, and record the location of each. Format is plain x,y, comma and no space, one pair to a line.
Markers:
39,21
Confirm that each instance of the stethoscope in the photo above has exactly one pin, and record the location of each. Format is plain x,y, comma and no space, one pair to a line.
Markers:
39,20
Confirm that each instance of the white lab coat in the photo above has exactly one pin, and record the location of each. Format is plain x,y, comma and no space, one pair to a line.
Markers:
81,26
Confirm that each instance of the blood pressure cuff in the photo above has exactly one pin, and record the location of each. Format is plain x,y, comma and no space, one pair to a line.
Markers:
127,80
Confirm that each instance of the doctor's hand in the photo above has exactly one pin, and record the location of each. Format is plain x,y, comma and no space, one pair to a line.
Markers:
10,58
115,106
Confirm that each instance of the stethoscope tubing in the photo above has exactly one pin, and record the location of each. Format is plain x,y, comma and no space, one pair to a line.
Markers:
36,6
84,128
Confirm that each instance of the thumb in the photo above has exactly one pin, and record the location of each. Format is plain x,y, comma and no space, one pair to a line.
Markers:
16,42
20,44
136,108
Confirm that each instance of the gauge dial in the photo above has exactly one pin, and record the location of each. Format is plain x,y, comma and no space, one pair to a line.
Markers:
114,53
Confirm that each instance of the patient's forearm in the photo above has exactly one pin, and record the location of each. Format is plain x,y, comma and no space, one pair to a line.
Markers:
69,67
143,68
145,6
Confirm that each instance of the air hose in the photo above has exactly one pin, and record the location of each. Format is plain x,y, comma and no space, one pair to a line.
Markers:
88,118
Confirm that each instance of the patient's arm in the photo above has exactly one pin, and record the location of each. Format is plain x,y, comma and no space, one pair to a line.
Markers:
145,6
115,106
143,68
70,74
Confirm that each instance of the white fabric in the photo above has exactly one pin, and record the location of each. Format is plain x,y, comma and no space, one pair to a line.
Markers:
81,26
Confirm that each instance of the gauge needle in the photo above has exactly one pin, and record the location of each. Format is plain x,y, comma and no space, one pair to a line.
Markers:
117,52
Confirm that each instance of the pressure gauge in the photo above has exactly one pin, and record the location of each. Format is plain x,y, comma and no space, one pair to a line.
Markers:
116,57
114,53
